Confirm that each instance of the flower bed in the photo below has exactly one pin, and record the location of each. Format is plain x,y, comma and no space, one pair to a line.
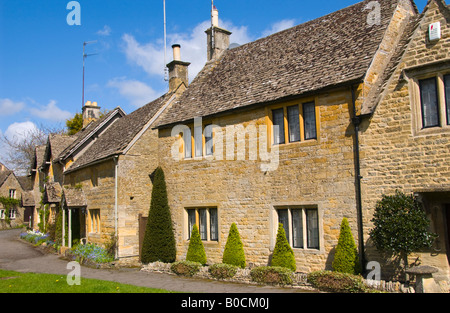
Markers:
36,238
90,253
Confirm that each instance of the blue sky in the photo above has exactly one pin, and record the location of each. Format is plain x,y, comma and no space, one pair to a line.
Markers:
41,55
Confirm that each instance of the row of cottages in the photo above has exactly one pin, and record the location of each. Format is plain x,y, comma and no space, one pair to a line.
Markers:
303,127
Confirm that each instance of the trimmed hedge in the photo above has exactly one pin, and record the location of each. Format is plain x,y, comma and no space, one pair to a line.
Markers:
346,259
283,255
274,275
185,268
222,271
234,249
337,282
196,250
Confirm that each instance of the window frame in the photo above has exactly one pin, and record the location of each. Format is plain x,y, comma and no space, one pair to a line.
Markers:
193,214
422,104
438,70
304,245
302,124
94,221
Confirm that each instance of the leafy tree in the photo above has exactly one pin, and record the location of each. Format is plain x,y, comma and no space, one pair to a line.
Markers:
400,226
234,249
283,255
196,250
346,258
75,124
159,240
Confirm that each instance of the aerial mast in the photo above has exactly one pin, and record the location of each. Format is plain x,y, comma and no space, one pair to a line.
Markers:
84,58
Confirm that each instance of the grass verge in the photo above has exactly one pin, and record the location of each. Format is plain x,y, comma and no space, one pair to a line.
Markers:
16,282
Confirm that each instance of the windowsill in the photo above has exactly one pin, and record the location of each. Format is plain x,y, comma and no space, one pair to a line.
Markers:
206,242
306,143
436,130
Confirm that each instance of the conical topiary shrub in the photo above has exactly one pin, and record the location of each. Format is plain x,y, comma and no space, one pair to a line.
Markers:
283,255
196,250
346,258
159,240
234,249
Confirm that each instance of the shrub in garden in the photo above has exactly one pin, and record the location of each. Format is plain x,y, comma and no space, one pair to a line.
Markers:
336,282
272,275
283,255
222,271
346,258
400,226
196,250
159,240
185,268
234,249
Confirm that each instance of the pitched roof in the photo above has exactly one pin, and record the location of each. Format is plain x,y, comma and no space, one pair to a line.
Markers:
116,138
56,144
52,193
4,175
74,197
329,51
94,128
38,159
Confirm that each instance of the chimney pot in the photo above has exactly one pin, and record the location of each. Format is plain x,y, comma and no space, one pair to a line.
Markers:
176,52
215,17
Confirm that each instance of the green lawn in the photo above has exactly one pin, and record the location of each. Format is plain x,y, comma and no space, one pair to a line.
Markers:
15,282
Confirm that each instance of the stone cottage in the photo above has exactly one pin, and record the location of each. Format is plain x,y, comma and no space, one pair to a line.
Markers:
114,172
265,134
405,131
11,188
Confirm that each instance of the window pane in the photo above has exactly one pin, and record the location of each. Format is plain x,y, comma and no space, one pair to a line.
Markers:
198,141
309,117
283,218
187,143
203,225
297,228
293,123
209,140
312,228
191,222
447,96
214,234
429,101
278,126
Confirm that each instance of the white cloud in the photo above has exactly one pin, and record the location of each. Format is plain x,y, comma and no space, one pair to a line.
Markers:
150,57
51,112
279,26
18,131
138,93
105,31
9,107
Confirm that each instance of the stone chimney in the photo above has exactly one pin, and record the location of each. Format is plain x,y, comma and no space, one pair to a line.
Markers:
218,39
178,70
91,112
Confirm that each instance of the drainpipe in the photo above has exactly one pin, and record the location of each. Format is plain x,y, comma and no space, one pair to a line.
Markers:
116,216
356,121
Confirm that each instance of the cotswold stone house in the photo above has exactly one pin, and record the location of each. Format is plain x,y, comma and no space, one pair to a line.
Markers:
114,173
12,187
265,134
405,131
